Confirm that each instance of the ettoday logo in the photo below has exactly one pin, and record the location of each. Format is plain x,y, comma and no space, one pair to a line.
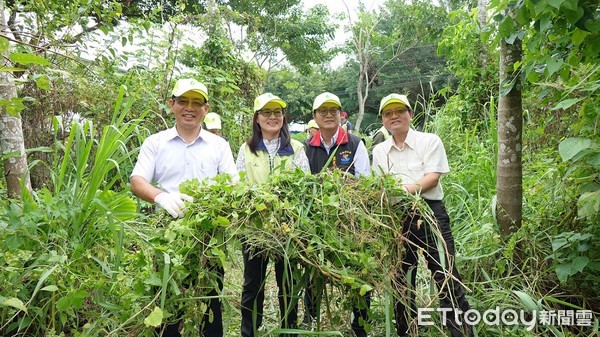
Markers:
508,317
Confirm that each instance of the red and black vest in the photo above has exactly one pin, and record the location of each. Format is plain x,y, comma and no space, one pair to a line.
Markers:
343,152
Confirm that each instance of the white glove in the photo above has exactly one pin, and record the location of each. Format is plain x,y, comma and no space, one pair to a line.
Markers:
173,203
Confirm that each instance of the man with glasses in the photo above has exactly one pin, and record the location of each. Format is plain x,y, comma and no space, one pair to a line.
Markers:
181,153
418,160
347,153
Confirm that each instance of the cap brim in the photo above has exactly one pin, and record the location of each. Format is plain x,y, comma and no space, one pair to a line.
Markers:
390,101
331,101
196,91
278,101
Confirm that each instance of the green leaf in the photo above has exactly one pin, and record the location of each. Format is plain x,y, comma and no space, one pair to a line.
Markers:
73,300
570,4
553,65
43,82
588,204
594,160
559,243
533,76
365,288
545,23
50,288
555,3
25,59
348,280
15,303
573,16
592,25
541,7
579,263
260,207
506,27
578,36
13,106
563,271
570,147
4,44
110,306
222,221
527,301
155,318
567,103
13,242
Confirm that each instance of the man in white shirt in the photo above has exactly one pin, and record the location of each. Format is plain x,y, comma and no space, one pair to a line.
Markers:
419,160
181,153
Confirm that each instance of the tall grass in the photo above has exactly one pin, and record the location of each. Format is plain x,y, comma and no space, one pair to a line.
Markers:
509,272
64,245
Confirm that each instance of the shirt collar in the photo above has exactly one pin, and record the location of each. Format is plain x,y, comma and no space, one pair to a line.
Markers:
282,151
172,133
410,140
340,137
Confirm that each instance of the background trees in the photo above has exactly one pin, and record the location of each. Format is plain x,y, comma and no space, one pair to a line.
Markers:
76,71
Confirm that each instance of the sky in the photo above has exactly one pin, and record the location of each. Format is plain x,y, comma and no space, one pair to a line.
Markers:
337,6
334,6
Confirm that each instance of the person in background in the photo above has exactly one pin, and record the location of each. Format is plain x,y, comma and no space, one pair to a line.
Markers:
418,160
181,153
349,155
269,150
380,136
311,129
345,123
212,122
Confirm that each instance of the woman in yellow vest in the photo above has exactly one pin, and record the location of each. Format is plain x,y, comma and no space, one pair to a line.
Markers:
268,150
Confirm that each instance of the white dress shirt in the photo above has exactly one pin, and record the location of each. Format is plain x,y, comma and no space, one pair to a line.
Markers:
422,153
168,160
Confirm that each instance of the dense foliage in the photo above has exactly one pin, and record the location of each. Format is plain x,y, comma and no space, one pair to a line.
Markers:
81,256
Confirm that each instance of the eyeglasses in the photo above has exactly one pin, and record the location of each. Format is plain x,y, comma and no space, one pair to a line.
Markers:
324,112
269,113
390,113
183,101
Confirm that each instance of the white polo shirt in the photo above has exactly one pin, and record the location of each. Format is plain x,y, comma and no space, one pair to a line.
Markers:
422,153
168,160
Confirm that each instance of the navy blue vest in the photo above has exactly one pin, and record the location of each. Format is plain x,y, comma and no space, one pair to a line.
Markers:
343,152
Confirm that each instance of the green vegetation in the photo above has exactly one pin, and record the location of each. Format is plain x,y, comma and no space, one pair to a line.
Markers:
81,256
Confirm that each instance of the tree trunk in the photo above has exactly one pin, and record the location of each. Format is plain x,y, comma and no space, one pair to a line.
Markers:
509,181
482,18
361,98
11,132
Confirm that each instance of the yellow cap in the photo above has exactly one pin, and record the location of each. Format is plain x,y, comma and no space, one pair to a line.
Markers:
212,121
189,84
326,97
312,124
394,98
265,98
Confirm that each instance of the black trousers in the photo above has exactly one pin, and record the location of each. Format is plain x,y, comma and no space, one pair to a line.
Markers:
452,295
212,321
253,292
312,297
